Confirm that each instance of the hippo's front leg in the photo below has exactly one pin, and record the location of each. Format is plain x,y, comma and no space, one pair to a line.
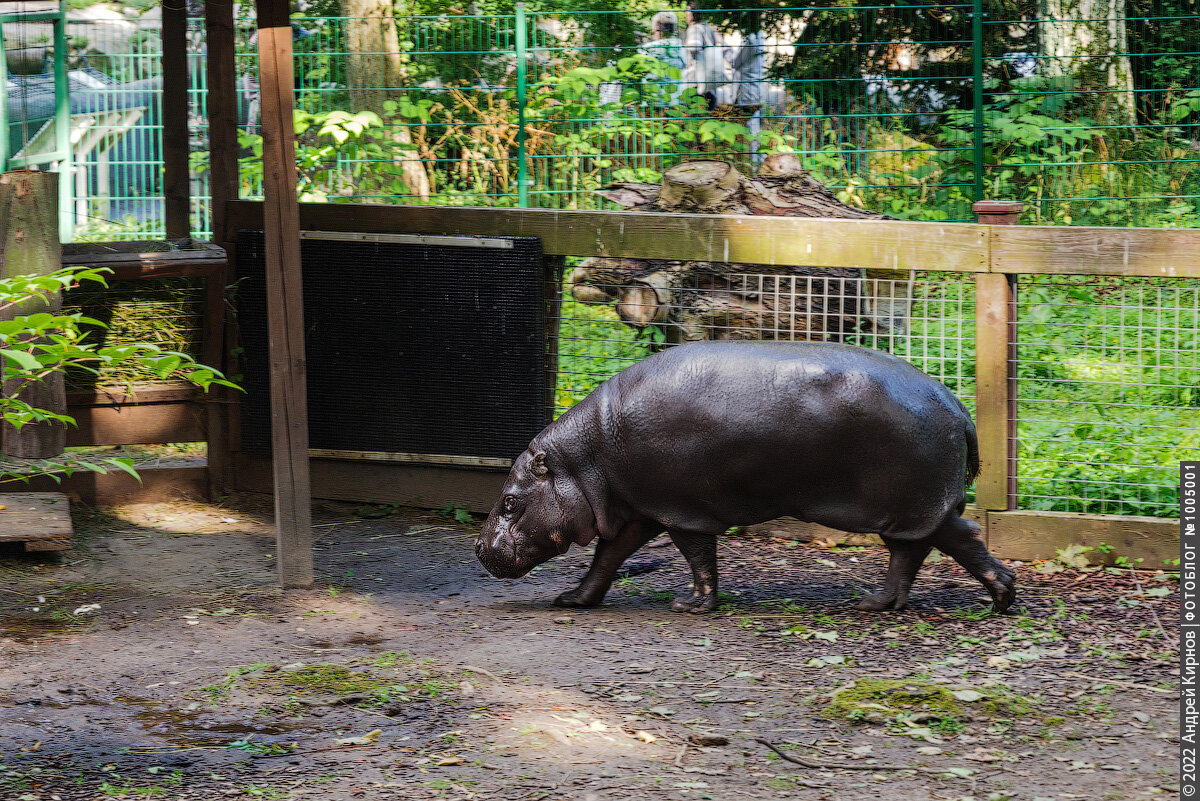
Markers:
610,555
700,550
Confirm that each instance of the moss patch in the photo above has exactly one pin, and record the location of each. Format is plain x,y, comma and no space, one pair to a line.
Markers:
875,700
319,679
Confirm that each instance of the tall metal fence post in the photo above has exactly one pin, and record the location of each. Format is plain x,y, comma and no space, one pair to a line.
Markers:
62,131
977,92
5,122
522,64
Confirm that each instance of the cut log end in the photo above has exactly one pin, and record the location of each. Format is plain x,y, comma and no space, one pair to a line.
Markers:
698,186
781,165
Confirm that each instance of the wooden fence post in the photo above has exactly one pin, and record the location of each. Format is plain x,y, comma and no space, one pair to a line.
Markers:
285,301
221,104
996,372
176,200
29,245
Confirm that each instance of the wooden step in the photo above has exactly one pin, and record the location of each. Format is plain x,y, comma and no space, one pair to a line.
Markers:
41,520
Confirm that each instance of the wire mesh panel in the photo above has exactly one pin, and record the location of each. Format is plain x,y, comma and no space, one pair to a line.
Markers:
116,117
1109,390
1091,121
926,319
414,345
625,96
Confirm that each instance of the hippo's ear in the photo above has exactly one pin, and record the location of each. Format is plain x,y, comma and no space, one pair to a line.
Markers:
538,465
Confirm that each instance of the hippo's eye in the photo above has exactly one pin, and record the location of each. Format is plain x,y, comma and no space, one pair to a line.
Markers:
510,503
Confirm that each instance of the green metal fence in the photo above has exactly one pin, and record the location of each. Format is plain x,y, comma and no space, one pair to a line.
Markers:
914,110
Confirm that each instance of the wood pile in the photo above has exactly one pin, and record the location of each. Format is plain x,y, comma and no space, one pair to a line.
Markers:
697,300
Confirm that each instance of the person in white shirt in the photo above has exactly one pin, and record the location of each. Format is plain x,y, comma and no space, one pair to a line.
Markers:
704,50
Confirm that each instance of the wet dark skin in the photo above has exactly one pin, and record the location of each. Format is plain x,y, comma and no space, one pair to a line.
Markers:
702,437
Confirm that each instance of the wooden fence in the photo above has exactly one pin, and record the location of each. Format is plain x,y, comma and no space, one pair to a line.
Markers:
992,254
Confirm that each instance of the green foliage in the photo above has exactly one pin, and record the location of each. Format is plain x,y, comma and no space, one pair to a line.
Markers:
39,342
456,512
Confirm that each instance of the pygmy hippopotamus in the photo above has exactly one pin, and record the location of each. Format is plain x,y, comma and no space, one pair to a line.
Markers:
702,437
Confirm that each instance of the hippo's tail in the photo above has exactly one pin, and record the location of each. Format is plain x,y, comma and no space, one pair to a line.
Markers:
972,454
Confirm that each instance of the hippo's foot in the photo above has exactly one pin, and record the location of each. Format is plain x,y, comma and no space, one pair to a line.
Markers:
577,598
696,603
1001,583
888,599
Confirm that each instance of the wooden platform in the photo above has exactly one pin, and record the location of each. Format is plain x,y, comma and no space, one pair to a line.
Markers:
40,520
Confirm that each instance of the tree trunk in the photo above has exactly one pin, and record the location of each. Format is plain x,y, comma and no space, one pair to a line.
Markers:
29,245
691,300
374,66
1087,39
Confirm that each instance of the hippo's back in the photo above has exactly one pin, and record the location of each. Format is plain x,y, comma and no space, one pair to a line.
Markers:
748,431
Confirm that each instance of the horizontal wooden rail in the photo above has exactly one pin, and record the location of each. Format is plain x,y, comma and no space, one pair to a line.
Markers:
1031,536
139,415
781,241
127,261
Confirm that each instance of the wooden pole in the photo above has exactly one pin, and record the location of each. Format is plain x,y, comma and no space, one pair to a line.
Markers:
285,312
222,113
175,119
29,245
222,107
996,372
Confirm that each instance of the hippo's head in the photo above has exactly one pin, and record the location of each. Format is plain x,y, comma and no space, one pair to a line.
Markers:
541,511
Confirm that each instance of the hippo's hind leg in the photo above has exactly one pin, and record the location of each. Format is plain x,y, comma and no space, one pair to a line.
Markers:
907,556
963,540
700,550
610,555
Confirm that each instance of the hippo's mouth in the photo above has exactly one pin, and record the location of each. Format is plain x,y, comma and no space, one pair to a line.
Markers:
502,562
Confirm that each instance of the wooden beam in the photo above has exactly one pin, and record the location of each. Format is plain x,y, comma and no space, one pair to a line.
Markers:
41,520
128,262
285,310
1063,250
127,395
175,118
29,245
958,247
1040,535
154,485
222,107
421,486
1029,536
148,424
701,237
1003,212
218,401
995,396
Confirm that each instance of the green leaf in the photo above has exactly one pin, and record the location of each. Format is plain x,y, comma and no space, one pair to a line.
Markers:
21,360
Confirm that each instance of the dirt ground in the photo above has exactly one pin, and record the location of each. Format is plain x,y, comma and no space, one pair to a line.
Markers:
408,673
